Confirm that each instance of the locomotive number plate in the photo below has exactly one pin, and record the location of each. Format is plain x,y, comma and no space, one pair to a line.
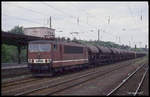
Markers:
39,61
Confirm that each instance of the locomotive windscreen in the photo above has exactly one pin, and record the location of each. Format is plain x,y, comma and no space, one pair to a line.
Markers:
72,49
39,47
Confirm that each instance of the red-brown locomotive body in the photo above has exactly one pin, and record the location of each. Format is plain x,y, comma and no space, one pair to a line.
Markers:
45,56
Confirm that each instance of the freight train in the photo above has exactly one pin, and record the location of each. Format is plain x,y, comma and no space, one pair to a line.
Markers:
45,57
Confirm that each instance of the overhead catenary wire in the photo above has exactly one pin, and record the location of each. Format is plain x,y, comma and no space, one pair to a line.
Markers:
133,17
67,15
130,11
64,13
20,18
37,12
71,16
31,10
98,28
58,10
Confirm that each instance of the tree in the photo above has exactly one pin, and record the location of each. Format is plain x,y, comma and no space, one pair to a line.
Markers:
17,30
9,52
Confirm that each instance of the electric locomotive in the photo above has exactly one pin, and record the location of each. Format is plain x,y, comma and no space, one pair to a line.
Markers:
45,56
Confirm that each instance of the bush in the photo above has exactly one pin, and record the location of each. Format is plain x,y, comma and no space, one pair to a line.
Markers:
10,54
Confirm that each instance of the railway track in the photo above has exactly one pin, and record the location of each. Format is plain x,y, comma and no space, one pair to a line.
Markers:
66,84
128,88
144,88
30,88
21,81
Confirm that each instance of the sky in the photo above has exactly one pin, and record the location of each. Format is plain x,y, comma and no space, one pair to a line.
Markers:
124,23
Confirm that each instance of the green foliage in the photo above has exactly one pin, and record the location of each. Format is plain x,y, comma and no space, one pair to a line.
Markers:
10,54
17,30
106,44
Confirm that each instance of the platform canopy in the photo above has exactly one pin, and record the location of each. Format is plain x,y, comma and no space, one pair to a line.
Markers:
18,39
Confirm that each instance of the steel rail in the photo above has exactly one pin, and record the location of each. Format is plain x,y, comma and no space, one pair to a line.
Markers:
18,82
26,92
17,78
34,84
47,81
140,83
124,80
66,81
14,67
53,80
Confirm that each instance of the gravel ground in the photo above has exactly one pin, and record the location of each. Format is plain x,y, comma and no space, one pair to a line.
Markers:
130,86
144,90
62,78
10,73
102,85
14,79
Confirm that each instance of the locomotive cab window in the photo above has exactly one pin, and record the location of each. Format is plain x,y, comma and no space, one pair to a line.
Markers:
39,47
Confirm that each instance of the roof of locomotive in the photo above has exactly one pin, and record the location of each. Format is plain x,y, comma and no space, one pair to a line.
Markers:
58,42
